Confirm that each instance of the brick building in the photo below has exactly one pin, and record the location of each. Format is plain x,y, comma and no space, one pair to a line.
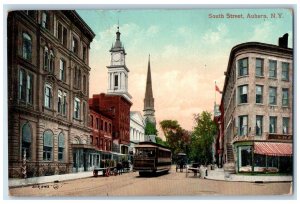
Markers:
258,107
48,87
100,138
118,109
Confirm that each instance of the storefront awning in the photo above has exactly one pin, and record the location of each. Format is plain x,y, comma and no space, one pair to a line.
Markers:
273,149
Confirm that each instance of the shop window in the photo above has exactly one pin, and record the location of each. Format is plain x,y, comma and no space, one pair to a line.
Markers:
61,146
48,145
26,141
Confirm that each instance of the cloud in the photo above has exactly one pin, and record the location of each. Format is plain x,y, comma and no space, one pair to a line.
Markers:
214,36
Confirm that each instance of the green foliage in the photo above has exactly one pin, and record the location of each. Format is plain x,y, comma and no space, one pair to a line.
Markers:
177,138
161,142
150,129
203,137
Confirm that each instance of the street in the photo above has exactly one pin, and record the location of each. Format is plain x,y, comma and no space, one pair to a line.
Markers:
131,184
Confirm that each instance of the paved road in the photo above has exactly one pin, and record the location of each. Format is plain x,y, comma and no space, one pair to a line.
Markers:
131,184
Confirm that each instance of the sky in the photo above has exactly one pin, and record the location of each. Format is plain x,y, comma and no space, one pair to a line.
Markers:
189,52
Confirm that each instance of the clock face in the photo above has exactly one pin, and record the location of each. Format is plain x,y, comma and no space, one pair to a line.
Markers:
116,56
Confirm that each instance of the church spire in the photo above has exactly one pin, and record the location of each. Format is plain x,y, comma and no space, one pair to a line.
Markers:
149,100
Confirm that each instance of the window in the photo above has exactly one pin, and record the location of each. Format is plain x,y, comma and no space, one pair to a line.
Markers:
25,86
30,13
61,146
273,124
75,45
285,71
109,130
259,125
62,102
22,85
62,34
272,68
62,70
48,60
26,141
45,20
91,121
76,108
46,57
84,53
97,141
259,68
51,62
101,125
243,125
243,67
97,123
259,94
27,47
243,94
285,125
272,95
91,140
105,125
84,112
48,96
48,145
116,81
285,97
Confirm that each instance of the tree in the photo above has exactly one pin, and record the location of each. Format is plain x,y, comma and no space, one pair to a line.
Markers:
177,138
161,142
150,129
203,137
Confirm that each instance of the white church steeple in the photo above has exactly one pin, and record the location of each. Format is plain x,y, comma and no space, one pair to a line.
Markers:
117,70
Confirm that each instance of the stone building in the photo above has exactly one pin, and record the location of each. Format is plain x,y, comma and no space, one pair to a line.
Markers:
48,87
258,107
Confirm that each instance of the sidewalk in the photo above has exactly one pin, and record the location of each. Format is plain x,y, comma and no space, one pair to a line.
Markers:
49,179
219,174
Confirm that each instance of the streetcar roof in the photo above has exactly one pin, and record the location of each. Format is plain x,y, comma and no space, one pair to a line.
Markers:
151,145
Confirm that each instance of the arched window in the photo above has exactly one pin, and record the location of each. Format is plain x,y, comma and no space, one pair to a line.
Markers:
27,47
48,145
61,146
26,141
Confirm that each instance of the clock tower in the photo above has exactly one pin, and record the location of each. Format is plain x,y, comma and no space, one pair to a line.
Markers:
117,70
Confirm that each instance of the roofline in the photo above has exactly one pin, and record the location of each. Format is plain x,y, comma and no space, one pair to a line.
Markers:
247,45
85,27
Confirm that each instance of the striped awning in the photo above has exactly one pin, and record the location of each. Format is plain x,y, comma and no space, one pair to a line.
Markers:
273,149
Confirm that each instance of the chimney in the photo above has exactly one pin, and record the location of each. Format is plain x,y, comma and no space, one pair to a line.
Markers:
283,41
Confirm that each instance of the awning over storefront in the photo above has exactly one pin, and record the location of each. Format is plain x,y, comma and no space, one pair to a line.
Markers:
273,149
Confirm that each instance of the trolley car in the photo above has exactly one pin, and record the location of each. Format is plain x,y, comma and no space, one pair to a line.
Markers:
151,158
